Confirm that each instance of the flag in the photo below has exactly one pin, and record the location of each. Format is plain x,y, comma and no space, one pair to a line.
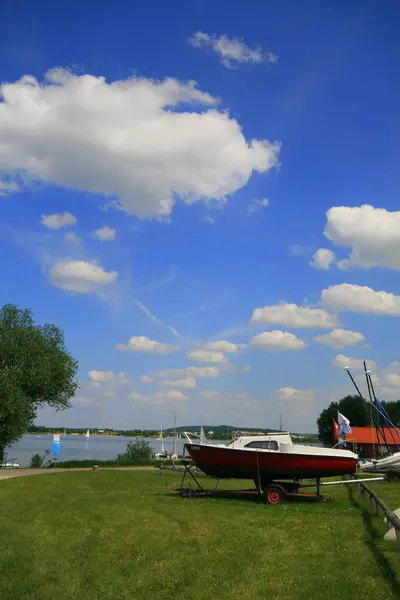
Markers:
335,429
344,423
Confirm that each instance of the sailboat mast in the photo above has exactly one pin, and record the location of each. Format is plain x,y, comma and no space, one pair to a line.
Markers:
174,442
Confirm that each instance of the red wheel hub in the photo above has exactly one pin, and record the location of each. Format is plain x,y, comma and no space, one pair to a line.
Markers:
274,497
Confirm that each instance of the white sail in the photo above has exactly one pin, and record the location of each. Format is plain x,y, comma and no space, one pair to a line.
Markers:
162,441
202,435
87,434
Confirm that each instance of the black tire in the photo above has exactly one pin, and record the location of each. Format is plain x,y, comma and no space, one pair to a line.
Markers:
274,494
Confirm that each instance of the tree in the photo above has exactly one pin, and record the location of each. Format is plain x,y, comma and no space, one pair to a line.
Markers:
137,451
35,371
353,407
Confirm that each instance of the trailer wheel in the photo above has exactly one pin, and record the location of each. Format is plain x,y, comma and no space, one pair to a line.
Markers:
274,494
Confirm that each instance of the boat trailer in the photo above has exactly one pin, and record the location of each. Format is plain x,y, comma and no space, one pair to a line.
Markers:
272,492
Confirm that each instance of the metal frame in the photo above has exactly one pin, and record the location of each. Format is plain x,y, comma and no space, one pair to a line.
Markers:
289,488
380,508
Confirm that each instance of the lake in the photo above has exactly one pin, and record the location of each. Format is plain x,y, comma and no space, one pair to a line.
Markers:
77,447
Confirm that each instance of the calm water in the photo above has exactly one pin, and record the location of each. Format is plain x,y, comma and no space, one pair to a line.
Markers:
76,447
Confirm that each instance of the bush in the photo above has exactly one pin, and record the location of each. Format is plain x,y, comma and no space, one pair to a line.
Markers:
37,461
140,450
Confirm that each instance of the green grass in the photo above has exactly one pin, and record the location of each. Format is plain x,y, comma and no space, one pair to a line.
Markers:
111,535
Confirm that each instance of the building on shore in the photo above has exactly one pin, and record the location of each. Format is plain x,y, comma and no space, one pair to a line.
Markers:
365,441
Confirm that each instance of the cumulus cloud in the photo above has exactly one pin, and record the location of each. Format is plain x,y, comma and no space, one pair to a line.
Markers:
233,51
72,237
257,205
188,382
146,379
290,393
196,372
201,355
339,338
222,346
373,234
143,344
354,364
277,340
127,139
159,397
80,276
100,376
390,378
322,259
105,234
357,298
211,394
57,220
8,187
291,315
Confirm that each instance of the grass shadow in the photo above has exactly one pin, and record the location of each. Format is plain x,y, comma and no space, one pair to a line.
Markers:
373,541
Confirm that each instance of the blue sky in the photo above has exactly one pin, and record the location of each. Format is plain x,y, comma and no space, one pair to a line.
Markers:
149,216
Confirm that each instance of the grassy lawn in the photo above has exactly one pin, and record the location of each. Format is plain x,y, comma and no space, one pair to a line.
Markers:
127,535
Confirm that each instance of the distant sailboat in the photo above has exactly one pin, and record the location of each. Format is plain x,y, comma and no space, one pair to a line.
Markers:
162,453
87,434
202,435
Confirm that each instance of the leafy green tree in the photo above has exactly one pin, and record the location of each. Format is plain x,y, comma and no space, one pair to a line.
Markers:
325,424
353,407
35,371
137,451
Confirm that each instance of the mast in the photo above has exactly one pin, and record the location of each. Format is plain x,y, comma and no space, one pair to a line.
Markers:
162,441
280,422
174,442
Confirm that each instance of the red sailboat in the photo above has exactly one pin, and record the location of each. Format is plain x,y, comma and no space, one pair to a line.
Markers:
270,457
267,460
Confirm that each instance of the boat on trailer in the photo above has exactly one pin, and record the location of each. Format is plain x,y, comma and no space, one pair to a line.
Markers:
269,459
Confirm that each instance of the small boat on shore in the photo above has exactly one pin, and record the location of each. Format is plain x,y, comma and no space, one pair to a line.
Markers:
269,457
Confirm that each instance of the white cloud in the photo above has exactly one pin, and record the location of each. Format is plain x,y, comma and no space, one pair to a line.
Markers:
8,187
100,376
197,372
373,234
127,139
170,395
357,298
233,51
188,382
82,400
146,379
159,397
390,378
105,234
354,364
72,237
80,276
201,355
122,378
221,346
137,397
57,220
143,344
257,205
277,340
289,393
211,394
322,259
291,315
210,220
339,338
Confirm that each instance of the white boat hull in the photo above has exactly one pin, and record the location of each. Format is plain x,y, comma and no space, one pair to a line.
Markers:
388,464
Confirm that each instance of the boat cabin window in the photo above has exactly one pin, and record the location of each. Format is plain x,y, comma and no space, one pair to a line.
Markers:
264,444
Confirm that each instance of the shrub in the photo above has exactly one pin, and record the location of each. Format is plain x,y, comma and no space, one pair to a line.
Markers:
140,450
